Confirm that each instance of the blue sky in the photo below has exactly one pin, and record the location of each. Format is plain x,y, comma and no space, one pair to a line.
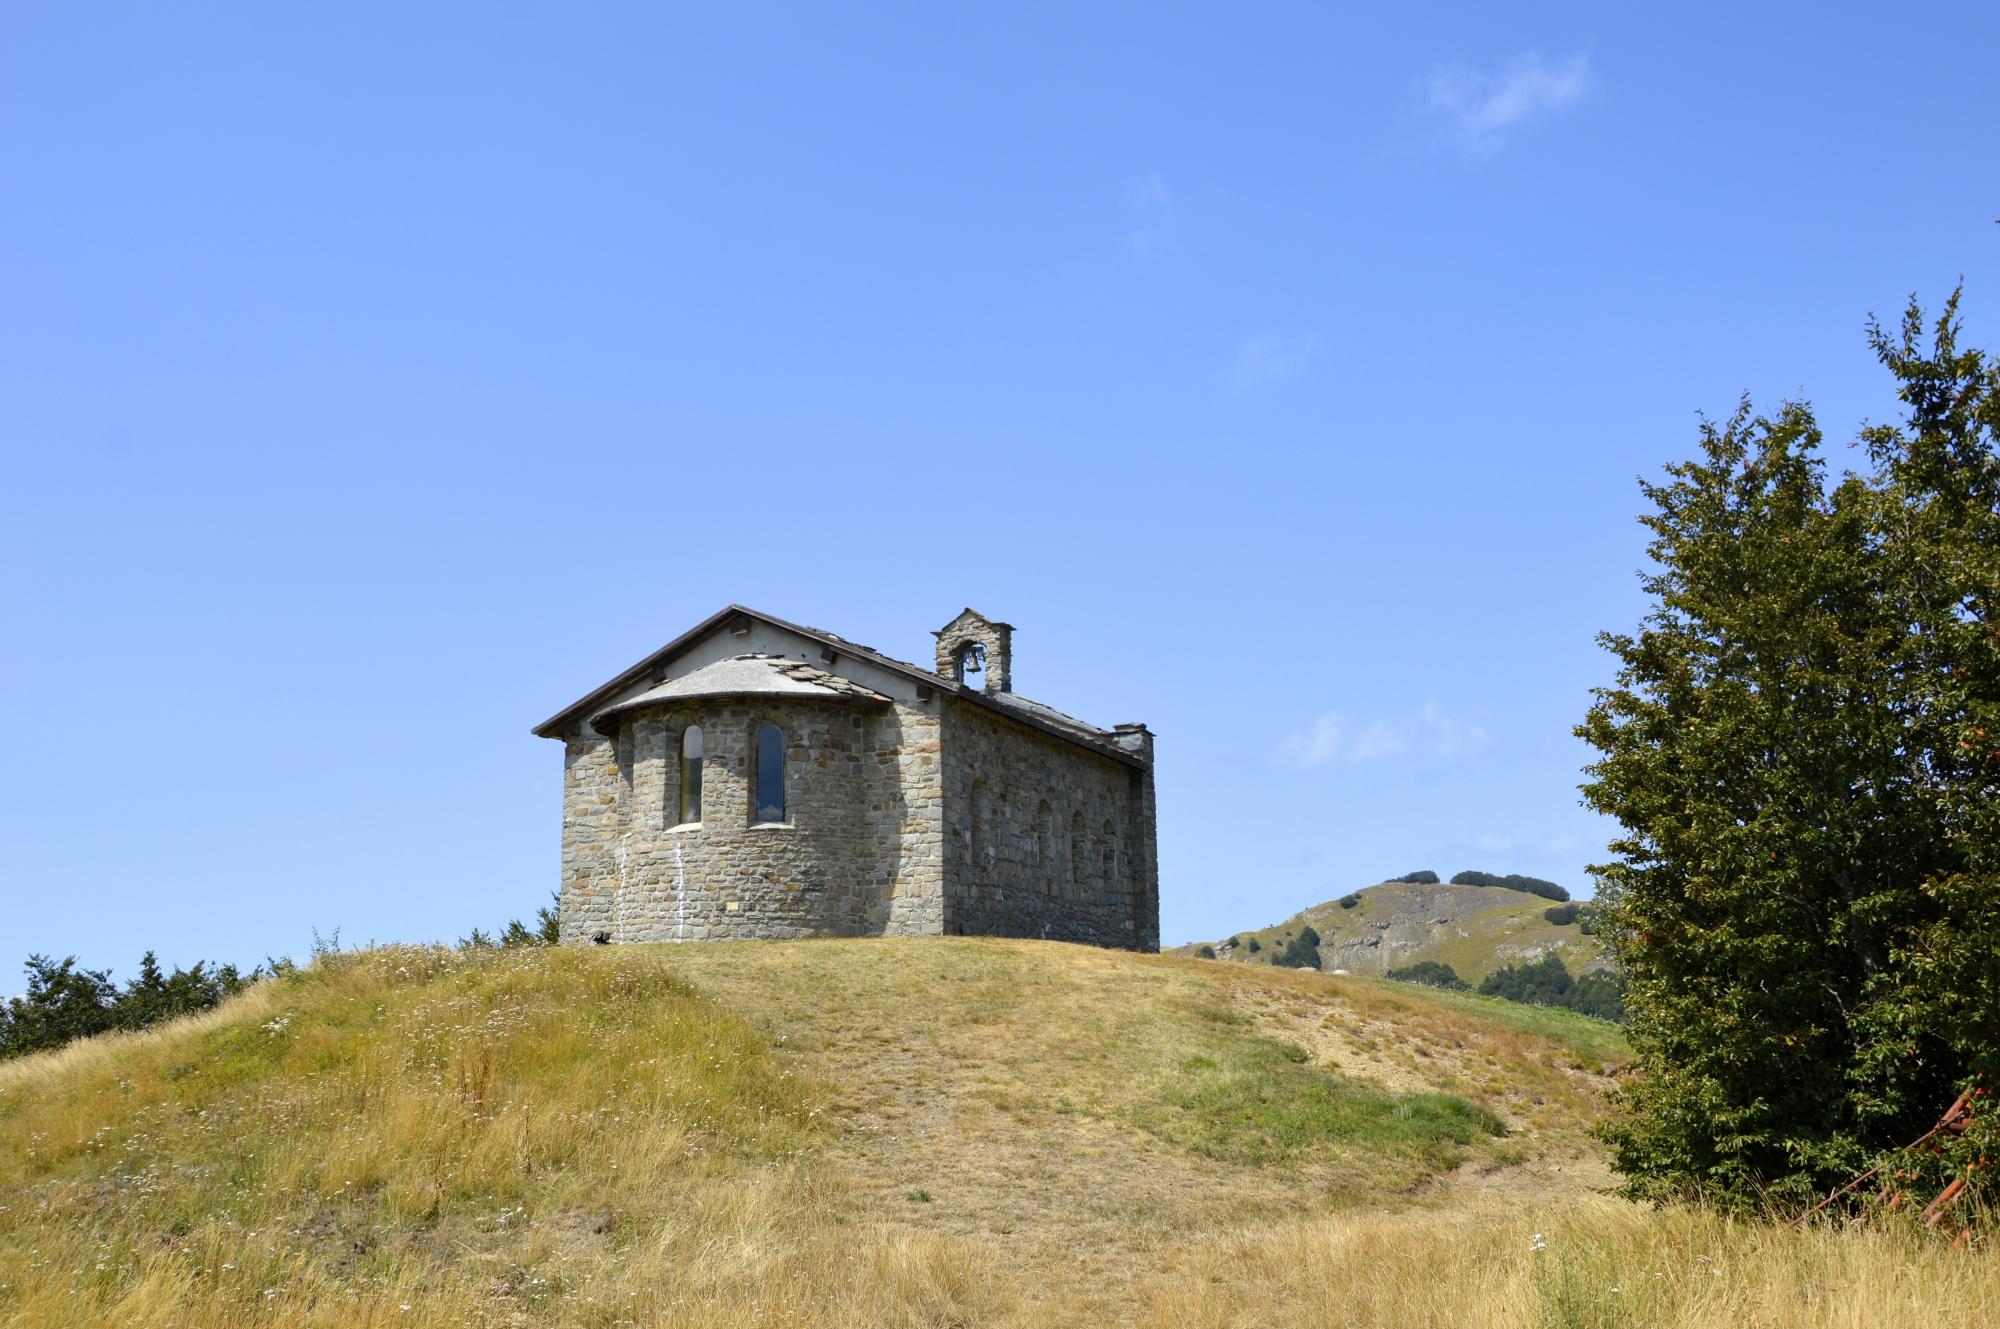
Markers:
373,382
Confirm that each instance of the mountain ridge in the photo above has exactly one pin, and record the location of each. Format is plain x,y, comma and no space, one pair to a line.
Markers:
1394,924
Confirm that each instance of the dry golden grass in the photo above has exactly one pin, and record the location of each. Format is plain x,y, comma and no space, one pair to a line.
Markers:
1589,1263
932,1132
418,1137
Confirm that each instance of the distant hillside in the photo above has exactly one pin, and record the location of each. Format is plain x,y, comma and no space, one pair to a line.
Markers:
1474,929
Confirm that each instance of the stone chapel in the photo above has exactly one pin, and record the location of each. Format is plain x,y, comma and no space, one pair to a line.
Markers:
757,778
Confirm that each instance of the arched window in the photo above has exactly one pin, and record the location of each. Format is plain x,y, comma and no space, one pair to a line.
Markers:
622,751
972,665
691,775
1045,849
1077,865
976,838
1111,883
770,774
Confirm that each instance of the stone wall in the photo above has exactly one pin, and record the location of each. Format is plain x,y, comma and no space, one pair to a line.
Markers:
1044,838
860,851
593,821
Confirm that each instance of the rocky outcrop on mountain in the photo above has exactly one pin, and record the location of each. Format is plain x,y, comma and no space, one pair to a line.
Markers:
1474,929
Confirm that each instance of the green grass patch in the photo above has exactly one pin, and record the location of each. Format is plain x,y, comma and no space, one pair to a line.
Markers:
1260,1103
1597,1044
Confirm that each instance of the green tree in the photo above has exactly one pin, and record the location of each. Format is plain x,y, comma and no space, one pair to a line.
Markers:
1542,982
1598,994
1935,1011
62,1002
1792,751
1301,952
1431,973
156,995
1547,982
516,934
1548,890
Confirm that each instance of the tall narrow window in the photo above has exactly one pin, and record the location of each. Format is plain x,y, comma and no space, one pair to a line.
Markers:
622,750
977,841
1045,849
1111,883
770,773
691,774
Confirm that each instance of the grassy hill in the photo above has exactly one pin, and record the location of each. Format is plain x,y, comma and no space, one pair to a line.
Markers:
1474,929
884,1133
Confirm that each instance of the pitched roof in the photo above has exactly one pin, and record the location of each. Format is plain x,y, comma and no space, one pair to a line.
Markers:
1031,713
752,675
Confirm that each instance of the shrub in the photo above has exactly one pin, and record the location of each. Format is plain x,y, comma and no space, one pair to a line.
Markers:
1546,982
1431,974
1548,890
1423,878
64,1002
1254,945
517,933
1541,983
1204,952
1349,901
1301,952
1513,881
1598,994
1562,915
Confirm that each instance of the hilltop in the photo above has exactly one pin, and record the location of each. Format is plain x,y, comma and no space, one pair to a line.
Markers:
884,1133
1474,929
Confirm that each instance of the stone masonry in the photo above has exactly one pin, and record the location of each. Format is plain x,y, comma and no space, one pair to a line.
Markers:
913,803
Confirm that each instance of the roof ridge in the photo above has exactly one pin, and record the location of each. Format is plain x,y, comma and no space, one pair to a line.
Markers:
1025,710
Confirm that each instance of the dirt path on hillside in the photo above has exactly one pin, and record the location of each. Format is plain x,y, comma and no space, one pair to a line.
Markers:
966,1109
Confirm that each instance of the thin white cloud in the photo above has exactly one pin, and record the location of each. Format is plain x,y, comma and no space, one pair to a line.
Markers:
1493,844
1379,740
1151,204
1481,111
1270,357
1148,191
1329,739
1449,737
1316,746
